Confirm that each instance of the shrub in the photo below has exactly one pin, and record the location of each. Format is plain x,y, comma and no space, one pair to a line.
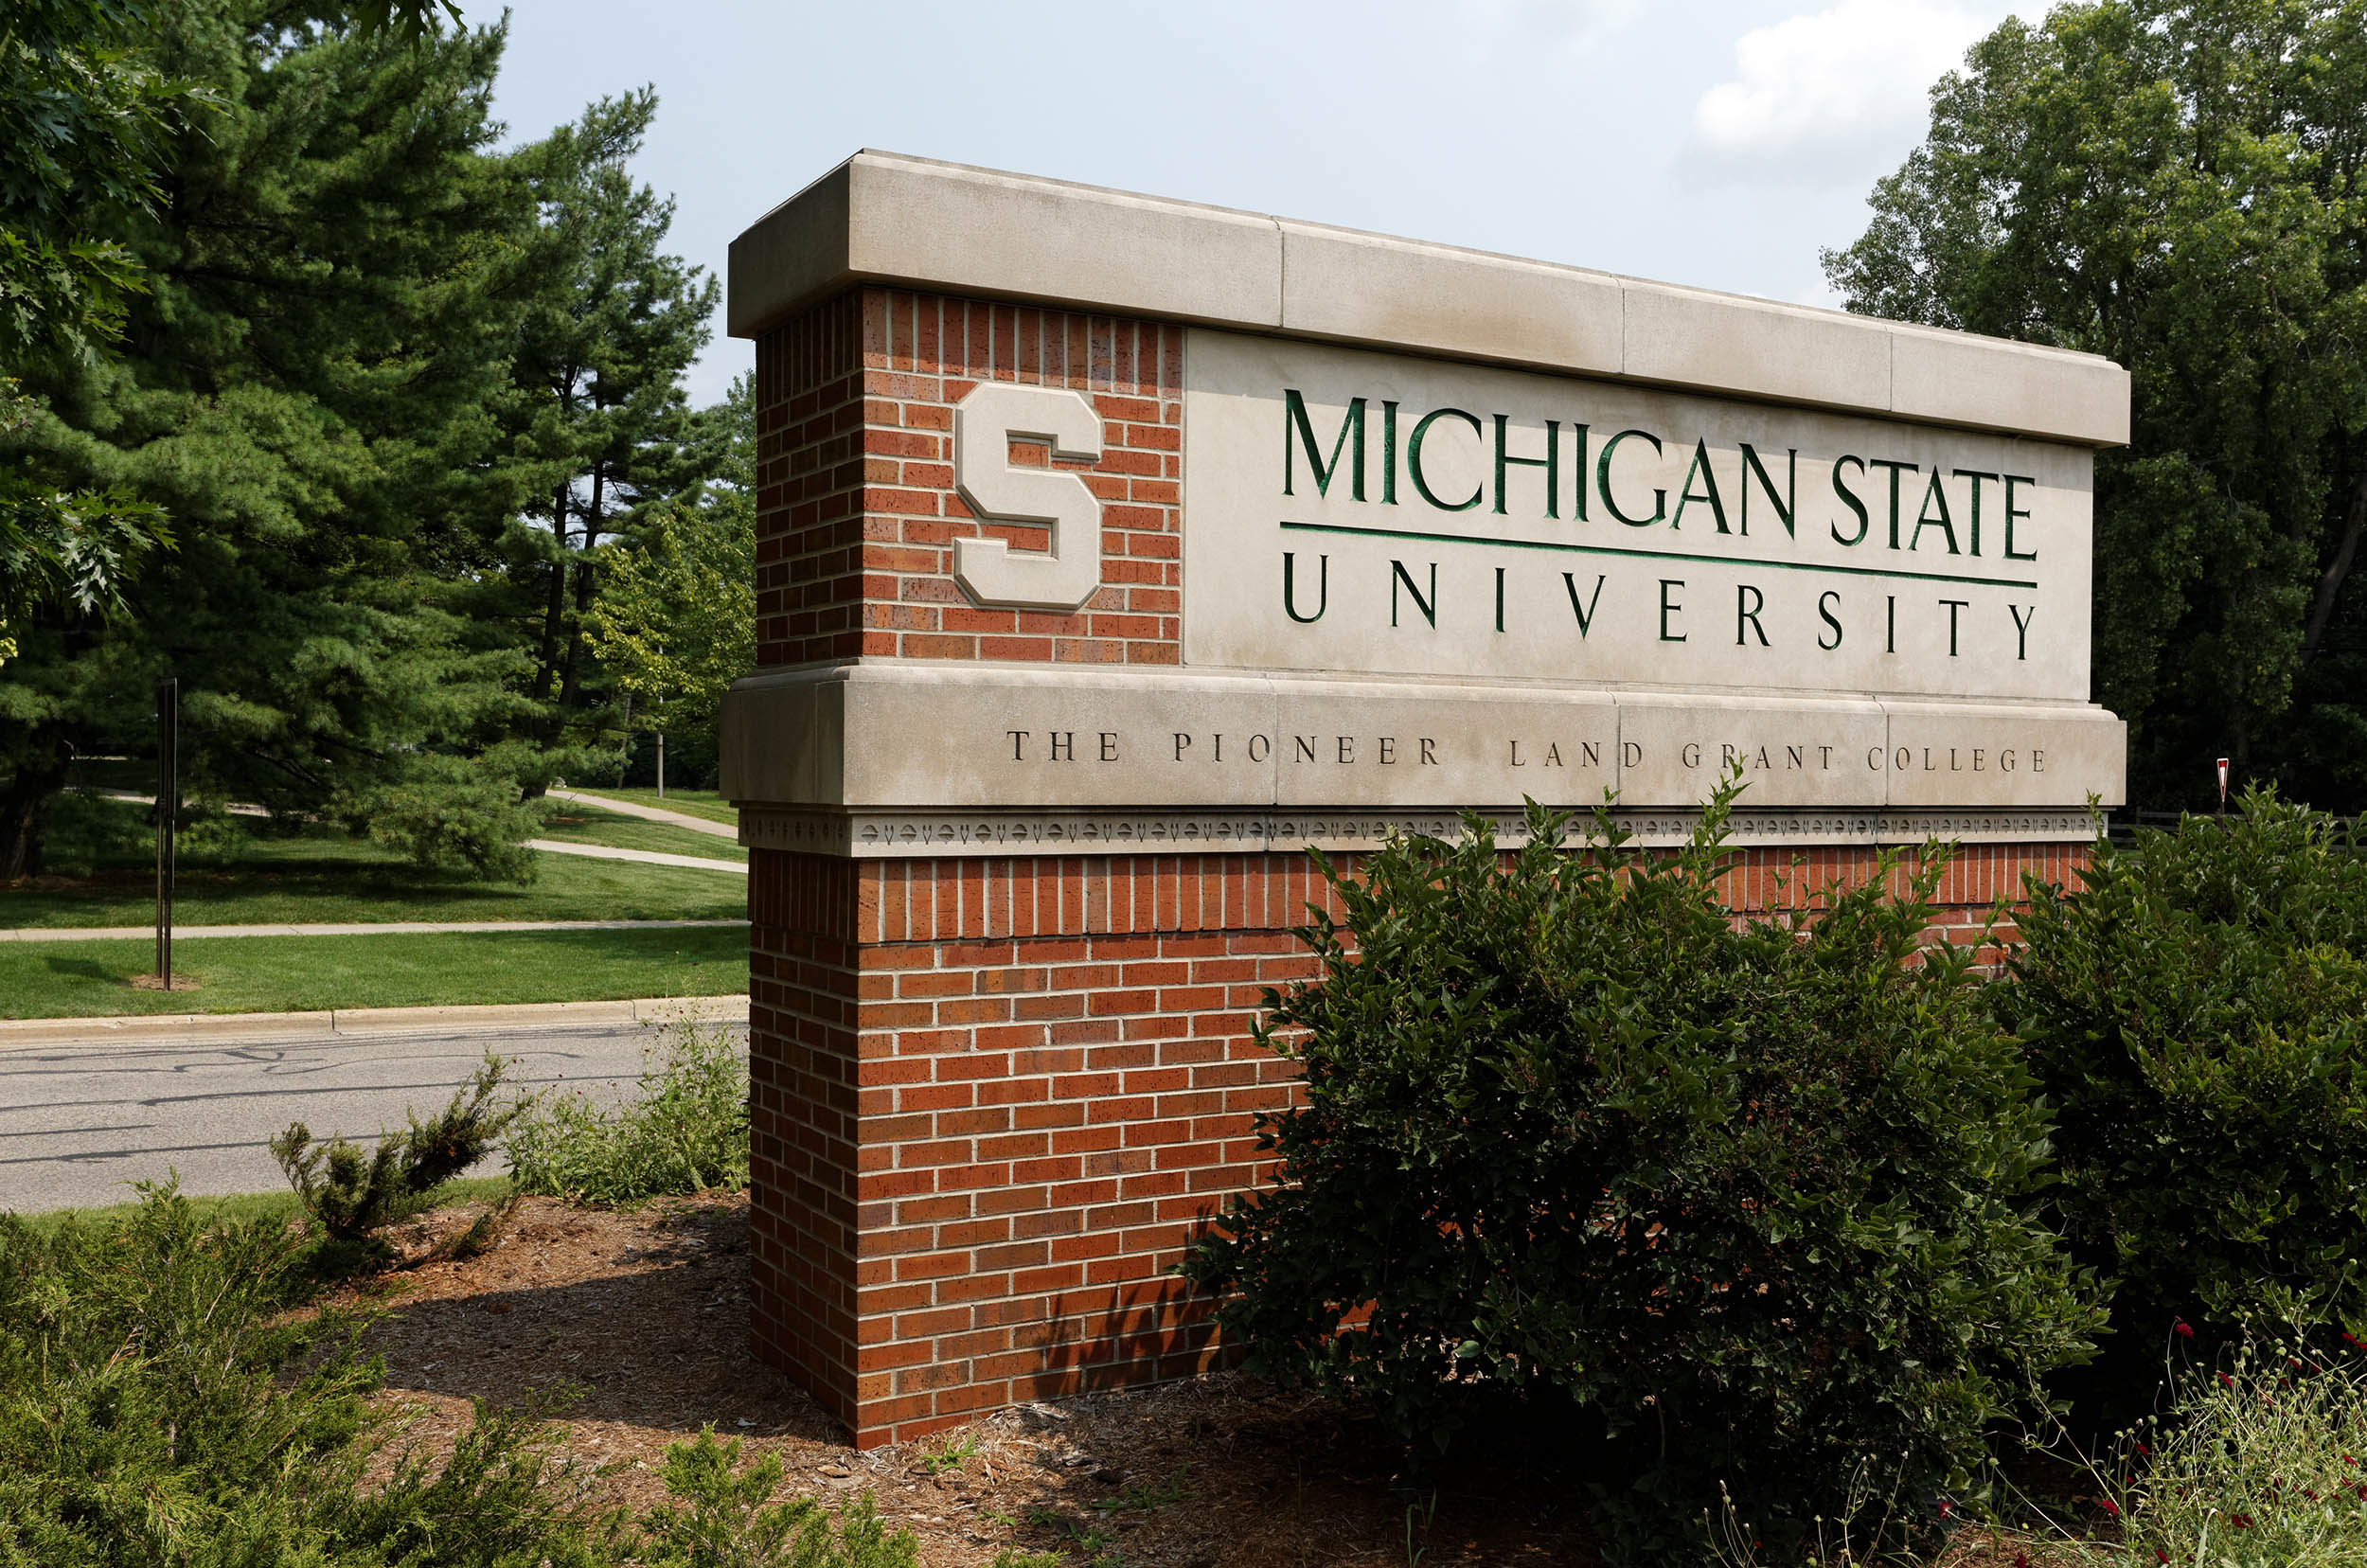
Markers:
2197,1014
351,1194
2263,1465
685,1131
1755,1200
731,1523
161,1403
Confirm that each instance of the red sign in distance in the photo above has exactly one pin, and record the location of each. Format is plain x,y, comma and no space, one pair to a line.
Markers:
2222,780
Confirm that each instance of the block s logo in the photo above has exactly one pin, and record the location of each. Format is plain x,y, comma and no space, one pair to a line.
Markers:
984,424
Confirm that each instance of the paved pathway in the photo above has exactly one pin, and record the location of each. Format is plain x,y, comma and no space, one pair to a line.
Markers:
647,857
650,813
357,928
81,1121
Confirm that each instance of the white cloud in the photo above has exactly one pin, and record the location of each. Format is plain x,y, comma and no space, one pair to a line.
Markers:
1819,95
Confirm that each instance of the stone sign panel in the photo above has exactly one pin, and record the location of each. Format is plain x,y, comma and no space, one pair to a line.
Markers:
1112,551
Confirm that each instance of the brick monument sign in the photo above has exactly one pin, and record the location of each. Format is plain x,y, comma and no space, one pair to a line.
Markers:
1113,550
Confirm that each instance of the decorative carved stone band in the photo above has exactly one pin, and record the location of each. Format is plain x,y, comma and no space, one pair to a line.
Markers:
905,834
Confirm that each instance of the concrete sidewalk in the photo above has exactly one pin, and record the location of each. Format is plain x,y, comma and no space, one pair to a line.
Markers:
366,1021
650,813
357,928
646,856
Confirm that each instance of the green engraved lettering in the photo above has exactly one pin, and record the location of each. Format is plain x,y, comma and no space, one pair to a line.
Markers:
1584,612
1413,456
1976,477
1701,466
1849,499
1429,607
1934,493
1602,482
1551,463
1297,422
2012,512
1897,468
1753,469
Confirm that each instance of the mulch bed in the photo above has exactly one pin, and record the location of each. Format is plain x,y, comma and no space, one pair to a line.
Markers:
641,1319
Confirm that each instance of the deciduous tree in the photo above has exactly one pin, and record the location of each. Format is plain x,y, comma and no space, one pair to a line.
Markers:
2178,183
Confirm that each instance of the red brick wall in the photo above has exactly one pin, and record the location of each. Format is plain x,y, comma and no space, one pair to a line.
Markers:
991,1099
856,511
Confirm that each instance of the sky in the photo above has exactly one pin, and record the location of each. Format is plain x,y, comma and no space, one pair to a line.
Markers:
1720,143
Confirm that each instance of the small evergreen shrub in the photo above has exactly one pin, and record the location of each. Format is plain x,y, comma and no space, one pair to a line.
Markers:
730,1522
163,1400
351,1194
687,1130
2197,1015
1753,1203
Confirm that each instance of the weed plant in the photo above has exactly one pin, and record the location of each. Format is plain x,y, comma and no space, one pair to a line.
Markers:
687,1130
725,1518
2261,1462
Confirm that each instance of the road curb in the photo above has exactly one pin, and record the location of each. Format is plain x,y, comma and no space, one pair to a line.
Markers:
363,1021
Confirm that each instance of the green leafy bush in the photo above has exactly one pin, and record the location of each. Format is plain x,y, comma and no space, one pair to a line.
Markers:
2197,1015
2263,1465
731,1521
685,1131
351,1194
1753,1203
161,1401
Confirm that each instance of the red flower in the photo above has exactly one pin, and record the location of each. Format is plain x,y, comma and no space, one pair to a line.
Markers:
2161,1556
2146,1452
2353,1341
2184,1328
2243,1521
2108,1506
2021,1559
2226,1381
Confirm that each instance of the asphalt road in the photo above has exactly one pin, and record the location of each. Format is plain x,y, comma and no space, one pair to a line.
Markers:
80,1122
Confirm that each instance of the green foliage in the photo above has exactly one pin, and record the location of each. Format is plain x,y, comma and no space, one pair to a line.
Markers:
451,813
730,1522
687,1130
1756,1200
2197,1014
351,1194
2260,1466
82,116
2181,184
161,1403
675,619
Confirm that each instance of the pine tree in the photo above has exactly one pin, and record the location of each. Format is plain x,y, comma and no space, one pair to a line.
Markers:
599,377
337,267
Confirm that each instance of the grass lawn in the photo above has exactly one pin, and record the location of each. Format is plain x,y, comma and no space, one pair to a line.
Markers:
239,879
698,803
309,973
574,822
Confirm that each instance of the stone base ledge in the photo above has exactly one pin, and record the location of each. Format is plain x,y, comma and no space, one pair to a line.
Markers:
906,834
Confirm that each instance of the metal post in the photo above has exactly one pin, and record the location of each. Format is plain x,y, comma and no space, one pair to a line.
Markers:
661,764
167,818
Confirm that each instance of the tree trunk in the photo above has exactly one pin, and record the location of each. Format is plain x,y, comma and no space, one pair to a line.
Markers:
2337,572
556,606
24,811
571,688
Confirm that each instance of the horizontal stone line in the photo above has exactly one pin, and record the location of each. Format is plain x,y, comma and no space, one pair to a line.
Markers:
1656,555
